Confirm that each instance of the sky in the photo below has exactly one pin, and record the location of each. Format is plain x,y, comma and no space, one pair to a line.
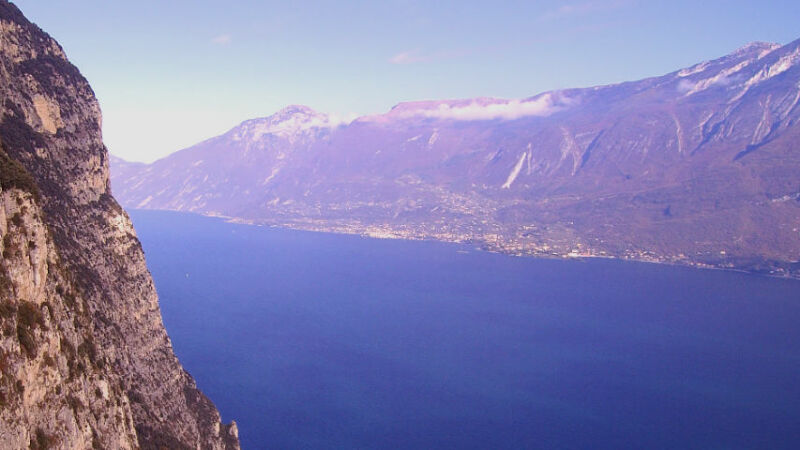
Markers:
171,74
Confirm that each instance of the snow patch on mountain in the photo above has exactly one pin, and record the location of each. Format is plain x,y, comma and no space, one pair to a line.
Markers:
766,72
289,122
515,171
760,49
722,78
783,64
434,137
744,57
697,68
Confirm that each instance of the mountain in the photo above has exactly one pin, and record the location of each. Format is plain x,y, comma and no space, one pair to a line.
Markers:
85,361
700,166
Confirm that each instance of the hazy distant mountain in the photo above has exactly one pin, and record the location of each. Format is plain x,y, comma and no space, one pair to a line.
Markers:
701,165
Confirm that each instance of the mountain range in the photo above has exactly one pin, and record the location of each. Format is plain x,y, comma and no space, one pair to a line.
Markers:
700,166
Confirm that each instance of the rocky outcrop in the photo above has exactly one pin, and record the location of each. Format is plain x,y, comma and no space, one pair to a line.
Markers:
86,361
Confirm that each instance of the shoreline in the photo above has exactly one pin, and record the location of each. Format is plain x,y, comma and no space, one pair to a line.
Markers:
365,232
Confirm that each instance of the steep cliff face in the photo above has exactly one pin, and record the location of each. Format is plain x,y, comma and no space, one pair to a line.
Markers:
85,359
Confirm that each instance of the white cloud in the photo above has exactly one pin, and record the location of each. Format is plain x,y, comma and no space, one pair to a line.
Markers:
408,57
689,87
222,39
543,105
336,120
583,8
416,56
685,86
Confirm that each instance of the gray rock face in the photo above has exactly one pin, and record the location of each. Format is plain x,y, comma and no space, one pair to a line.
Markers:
700,166
85,359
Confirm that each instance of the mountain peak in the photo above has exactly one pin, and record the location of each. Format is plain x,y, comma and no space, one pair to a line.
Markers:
295,109
756,48
287,122
758,45
294,113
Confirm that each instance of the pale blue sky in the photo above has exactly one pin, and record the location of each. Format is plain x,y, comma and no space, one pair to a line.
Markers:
169,74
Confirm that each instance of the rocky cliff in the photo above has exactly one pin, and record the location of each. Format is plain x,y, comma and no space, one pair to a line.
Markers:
85,361
699,166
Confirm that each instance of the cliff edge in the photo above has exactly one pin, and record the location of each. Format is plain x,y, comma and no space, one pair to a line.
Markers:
85,361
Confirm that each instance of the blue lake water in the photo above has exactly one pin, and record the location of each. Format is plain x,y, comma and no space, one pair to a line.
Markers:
314,340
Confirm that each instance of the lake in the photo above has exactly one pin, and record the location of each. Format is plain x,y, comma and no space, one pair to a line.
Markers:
316,341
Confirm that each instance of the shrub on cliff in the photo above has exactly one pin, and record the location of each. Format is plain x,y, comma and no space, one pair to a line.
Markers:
13,175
